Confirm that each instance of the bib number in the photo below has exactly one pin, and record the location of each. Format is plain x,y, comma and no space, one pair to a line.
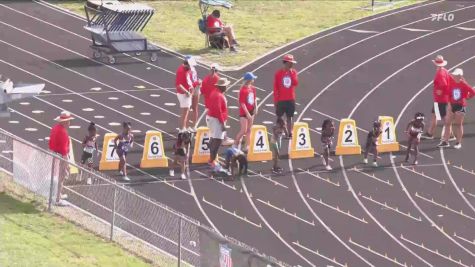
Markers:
287,82
456,94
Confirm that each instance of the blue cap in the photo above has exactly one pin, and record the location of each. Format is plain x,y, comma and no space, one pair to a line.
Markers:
249,76
191,60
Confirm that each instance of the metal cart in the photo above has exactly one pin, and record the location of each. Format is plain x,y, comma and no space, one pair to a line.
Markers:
116,28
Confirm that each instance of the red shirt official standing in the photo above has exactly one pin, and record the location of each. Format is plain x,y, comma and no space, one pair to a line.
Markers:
285,82
184,89
459,91
208,85
59,143
440,95
216,120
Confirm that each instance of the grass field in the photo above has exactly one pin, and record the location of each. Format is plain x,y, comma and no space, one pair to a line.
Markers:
29,237
260,25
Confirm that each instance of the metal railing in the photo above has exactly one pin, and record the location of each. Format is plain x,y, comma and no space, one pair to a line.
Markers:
121,208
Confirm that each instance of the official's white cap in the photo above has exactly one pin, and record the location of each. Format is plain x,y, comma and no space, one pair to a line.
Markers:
215,66
457,72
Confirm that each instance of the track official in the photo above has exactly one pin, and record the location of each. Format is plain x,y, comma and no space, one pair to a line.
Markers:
285,82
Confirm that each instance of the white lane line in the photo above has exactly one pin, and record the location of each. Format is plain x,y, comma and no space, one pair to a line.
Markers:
232,213
394,209
436,252
293,215
337,209
445,207
277,234
318,253
415,30
384,256
471,242
465,28
85,76
362,31
413,170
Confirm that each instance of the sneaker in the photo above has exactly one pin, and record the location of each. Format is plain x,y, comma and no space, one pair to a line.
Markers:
277,170
427,136
452,138
61,203
126,178
416,162
183,176
328,168
172,173
235,43
365,161
458,145
233,49
121,173
375,164
64,196
89,181
443,144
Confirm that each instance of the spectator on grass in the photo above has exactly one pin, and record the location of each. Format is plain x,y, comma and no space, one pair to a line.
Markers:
59,143
216,121
285,82
215,25
459,91
440,93
184,89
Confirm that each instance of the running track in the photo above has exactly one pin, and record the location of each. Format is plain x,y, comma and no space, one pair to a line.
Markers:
395,215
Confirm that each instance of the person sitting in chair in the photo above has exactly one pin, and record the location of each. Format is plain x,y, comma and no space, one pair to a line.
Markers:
215,26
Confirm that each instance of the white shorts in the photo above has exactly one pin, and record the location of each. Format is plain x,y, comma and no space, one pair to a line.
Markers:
215,130
184,100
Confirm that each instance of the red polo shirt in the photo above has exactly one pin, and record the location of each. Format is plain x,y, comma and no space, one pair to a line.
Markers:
212,22
59,140
285,82
247,96
441,83
459,92
183,77
208,86
218,106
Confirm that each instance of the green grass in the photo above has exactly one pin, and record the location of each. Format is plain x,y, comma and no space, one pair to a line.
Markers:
29,237
260,25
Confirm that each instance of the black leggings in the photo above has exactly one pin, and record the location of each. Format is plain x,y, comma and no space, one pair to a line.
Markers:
373,148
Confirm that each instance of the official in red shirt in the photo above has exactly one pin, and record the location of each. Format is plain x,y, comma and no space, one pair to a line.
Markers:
216,119
216,26
459,91
247,109
440,93
285,82
59,143
184,90
208,85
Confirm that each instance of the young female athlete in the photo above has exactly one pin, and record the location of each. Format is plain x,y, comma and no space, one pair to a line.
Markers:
89,145
371,143
414,130
123,143
181,150
247,109
328,130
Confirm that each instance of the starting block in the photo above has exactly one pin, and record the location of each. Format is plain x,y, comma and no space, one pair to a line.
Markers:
201,152
153,154
301,146
72,169
347,138
387,140
259,149
109,158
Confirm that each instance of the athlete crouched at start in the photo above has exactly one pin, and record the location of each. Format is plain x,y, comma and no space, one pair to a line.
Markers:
181,151
328,130
235,162
276,144
414,130
371,143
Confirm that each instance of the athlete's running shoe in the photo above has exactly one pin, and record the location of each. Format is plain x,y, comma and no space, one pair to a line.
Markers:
458,145
443,144
427,136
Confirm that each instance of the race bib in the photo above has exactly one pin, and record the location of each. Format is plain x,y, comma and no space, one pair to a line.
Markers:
250,99
287,81
456,94
89,149
216,24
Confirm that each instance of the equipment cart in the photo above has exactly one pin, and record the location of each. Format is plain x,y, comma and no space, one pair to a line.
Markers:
116,28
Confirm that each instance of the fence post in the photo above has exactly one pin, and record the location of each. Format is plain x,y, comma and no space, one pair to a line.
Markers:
51,186
179,240
113,212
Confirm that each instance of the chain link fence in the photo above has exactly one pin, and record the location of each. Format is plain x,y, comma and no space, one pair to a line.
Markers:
118,213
